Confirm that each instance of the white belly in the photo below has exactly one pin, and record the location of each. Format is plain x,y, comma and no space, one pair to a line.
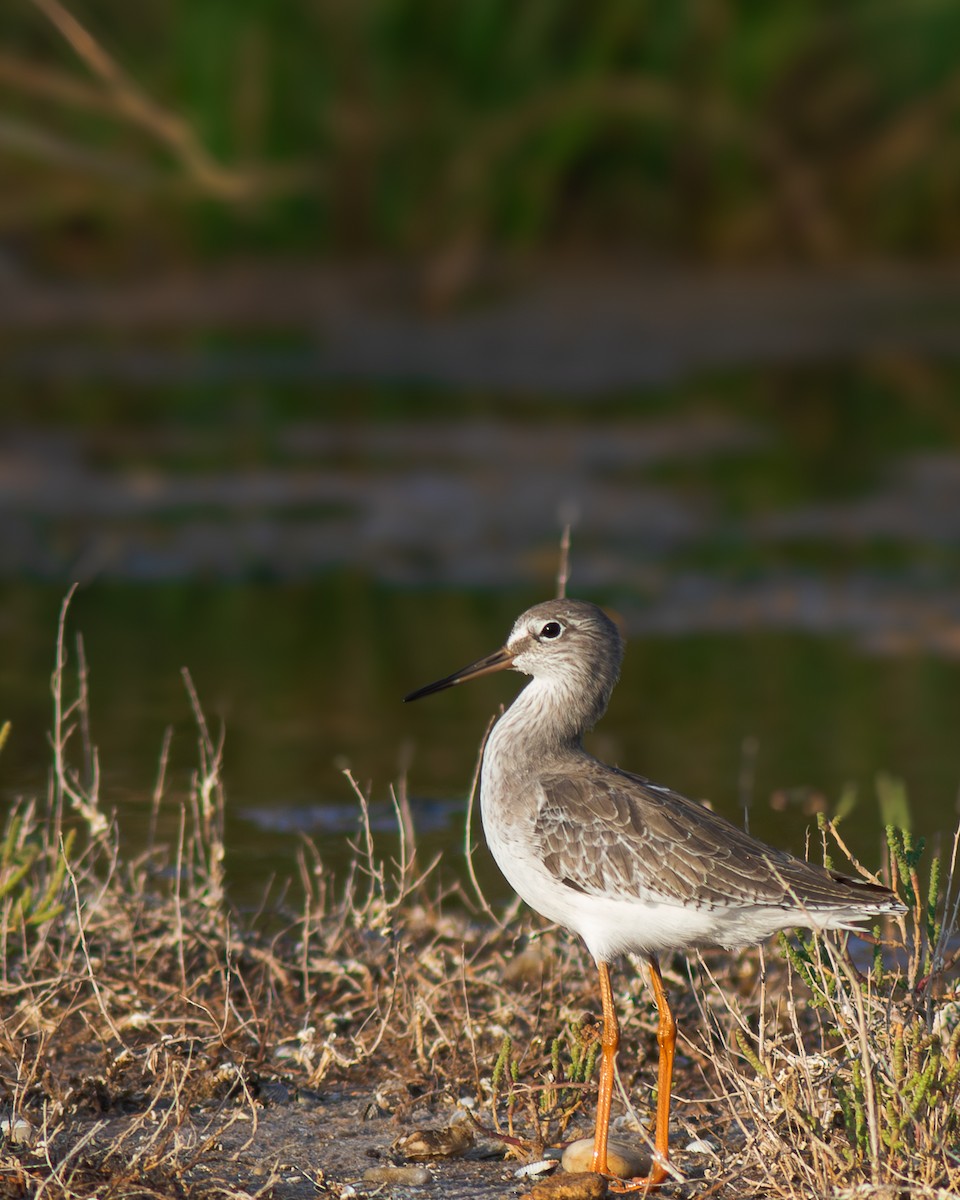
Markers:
614,924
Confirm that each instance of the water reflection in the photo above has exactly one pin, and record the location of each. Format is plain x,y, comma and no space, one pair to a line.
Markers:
306,680
780,547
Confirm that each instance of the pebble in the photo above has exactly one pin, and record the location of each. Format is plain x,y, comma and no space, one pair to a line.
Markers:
435,1143
401,1176
626,1160
16,1129
273,1091
584,1186
536,1168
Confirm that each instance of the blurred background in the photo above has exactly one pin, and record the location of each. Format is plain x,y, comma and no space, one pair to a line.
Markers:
319,321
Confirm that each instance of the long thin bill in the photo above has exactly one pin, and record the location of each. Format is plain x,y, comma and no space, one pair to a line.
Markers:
498,661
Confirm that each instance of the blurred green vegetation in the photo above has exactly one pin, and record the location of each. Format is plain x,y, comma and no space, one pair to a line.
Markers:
804,130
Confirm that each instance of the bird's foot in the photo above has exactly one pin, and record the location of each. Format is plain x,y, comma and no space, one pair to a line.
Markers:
642,1185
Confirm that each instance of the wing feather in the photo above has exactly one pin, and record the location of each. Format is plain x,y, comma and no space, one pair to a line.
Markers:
609,833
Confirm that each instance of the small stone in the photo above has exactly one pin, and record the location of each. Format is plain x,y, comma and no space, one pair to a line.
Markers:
17,1129
625,1160
485,1148
400,1176
536,1168
450,1142
526,967
584,1186
273,1091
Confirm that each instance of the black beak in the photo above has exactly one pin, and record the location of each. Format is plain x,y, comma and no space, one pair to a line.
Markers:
500,660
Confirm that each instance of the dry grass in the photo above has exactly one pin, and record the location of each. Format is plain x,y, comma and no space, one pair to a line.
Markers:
853,1074
150,1034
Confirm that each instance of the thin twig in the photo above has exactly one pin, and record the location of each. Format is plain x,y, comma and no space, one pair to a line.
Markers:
168,128
468,825
563,571
157,795
91,974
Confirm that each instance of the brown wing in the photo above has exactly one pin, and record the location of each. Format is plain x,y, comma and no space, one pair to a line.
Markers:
607,832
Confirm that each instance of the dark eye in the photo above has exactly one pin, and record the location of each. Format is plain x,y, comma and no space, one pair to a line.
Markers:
551,630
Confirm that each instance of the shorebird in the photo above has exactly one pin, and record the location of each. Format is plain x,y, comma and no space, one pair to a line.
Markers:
627,864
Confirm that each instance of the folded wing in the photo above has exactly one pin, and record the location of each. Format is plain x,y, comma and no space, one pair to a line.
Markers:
610,833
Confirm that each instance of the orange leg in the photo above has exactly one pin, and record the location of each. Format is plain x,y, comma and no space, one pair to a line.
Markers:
667,1041
609,1044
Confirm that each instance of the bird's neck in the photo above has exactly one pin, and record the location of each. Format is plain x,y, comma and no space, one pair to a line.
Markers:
548,717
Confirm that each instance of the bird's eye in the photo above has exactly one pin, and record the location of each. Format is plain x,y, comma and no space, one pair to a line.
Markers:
551,631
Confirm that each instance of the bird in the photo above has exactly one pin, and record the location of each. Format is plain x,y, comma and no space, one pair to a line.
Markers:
629,865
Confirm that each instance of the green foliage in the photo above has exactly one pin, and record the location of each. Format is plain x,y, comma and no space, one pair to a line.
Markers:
924,901
396,124
500,1067
573,1056
750,1055
918,1097
549,1105
503,1080
805,959
32,873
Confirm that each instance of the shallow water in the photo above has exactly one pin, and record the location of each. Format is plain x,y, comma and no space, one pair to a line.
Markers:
780,545
307,680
